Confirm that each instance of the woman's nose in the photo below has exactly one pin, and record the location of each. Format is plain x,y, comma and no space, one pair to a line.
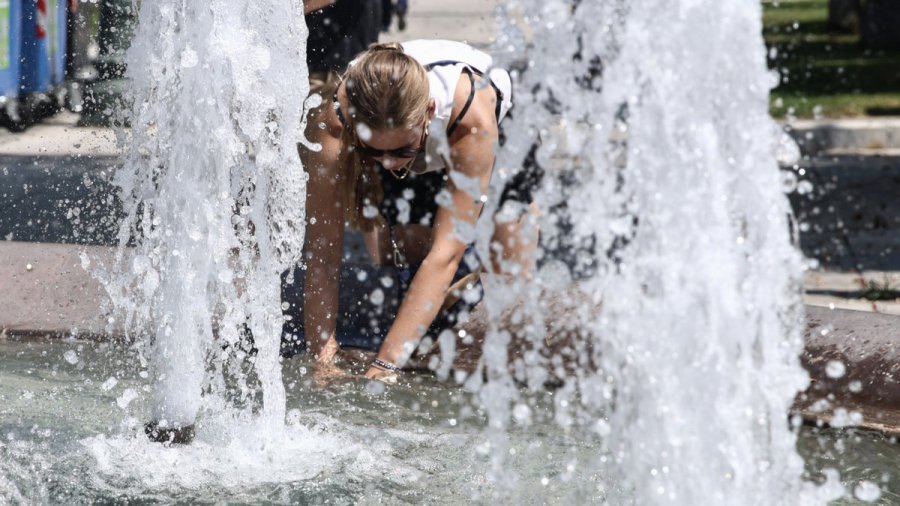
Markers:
389,162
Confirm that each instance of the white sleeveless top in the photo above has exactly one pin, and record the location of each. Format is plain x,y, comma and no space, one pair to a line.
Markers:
451,58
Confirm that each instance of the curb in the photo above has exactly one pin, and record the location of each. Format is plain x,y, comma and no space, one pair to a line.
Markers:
823,137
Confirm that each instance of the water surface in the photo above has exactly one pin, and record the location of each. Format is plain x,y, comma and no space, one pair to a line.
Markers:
71,415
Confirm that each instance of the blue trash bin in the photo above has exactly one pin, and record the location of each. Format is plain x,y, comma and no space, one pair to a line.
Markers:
35,50
57,14
42,88
10,55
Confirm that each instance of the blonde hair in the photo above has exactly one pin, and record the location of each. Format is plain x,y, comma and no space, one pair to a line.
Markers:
386,88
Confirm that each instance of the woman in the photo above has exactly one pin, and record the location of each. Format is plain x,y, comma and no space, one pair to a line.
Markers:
406,154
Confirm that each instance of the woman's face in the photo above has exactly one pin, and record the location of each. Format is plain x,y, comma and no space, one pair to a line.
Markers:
393,148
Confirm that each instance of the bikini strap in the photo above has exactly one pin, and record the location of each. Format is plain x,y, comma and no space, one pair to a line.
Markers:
466,106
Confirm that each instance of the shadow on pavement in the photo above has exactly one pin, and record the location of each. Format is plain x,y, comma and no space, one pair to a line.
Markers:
850,219
59,199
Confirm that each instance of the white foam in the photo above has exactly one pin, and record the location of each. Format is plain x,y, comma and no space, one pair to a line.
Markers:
228,455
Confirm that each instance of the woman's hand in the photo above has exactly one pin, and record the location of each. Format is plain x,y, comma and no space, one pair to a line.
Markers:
389,377
325,373
325,368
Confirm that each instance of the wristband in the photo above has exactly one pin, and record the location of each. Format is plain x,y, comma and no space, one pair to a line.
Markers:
385,365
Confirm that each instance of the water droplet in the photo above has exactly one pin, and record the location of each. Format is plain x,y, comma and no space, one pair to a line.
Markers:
71,357
363,131
867,491
125,399
835,369
602,428
788,181
189,58
109,384
375,387
522,413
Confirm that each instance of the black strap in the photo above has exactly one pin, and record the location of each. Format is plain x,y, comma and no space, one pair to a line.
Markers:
466,106
444,63
337,105
499,101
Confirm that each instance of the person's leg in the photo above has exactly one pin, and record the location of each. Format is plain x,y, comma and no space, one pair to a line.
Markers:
514,244
401,8
387,12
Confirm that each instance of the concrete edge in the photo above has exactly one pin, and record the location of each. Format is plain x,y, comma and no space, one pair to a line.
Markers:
870,135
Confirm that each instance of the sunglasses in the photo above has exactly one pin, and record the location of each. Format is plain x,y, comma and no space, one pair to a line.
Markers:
394,153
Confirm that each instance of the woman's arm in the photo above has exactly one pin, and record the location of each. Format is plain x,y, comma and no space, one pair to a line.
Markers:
472,153
314,5
324,243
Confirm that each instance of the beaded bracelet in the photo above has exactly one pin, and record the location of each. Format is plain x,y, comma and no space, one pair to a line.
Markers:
385,365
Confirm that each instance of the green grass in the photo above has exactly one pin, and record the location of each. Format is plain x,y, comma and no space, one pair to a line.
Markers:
876,291
824,73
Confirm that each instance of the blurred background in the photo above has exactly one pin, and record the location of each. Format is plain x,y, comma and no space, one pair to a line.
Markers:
835,58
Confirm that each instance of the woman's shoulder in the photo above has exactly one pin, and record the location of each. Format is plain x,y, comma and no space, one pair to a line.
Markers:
480,114
324,133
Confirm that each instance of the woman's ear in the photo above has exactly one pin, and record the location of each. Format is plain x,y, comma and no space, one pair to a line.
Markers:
432,108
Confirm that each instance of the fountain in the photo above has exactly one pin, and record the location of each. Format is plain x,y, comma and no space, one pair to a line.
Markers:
212,190
696,342
666,241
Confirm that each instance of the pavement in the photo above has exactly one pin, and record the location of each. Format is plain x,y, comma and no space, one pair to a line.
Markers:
48,292
55,183
846,136
60,136
470,21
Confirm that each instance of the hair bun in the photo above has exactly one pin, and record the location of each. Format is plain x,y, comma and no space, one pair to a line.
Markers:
386,46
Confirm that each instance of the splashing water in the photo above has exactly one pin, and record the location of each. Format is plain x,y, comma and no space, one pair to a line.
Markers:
676,232
664,158
213,192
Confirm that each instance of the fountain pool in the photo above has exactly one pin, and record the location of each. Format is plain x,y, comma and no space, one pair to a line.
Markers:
71,433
